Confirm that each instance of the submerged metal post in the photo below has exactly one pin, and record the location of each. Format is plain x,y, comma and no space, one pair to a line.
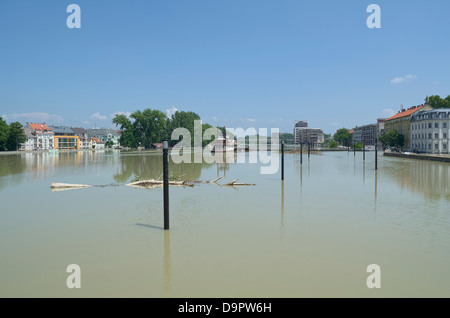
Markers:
354,149
282,160
376,153
301,153
364,152
309,149
166,183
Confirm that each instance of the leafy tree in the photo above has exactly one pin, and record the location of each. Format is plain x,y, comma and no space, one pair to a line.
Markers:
148,126
142,128
437,102
4,132
16,136
109,144
333,144
127,138
343,137
359,145
393,139
181,119
288,138
204,127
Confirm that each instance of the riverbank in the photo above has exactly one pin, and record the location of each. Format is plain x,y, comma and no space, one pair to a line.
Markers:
440,158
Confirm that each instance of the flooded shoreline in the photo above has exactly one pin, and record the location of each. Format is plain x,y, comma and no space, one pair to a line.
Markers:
312,235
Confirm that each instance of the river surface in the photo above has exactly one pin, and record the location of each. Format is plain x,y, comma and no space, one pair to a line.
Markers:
313,235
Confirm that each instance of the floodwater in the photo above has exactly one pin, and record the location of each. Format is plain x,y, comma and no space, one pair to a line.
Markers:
312,235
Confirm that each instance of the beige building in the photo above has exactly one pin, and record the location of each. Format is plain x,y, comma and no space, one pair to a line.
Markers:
401,122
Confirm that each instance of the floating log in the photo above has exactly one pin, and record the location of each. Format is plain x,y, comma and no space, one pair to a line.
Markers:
235,183
67,186
153,183
215,180
239,184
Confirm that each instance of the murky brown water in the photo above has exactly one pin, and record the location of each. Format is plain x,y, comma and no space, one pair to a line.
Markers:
311,236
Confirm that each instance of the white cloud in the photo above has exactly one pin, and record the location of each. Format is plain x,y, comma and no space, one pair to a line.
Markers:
35,117
214,118
4,117
98,116
170,111
398,80
250,120
121,113
388,112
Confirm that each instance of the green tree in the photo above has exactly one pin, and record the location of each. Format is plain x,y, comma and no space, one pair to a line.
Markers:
333,144
343,137
4,133
109,144
148,126
204,127
288,138
359,145
127,138
16,136
393,139
436,101
181,119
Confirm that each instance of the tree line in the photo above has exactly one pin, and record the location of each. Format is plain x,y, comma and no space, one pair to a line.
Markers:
11,136
436,101
144,128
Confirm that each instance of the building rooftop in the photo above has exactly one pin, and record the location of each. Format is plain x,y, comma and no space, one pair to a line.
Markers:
406,112
39,128
438,113
97,140
61,130
78,131
102,132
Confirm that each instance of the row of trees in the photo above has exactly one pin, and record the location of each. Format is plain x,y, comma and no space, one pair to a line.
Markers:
11,136
143,128
390,139
436,101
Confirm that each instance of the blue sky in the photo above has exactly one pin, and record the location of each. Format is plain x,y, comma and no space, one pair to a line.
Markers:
238,63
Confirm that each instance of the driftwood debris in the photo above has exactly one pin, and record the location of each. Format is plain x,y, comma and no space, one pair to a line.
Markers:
215,180
235,183
67,186
152,183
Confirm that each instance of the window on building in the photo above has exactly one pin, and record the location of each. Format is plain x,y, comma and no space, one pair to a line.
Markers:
436,146
436,135
429,125
436,125
429,136
429,146
444,125
444,135
444,146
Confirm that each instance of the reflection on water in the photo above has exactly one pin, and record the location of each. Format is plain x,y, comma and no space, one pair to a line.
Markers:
431,179
167,290
150,166
274,239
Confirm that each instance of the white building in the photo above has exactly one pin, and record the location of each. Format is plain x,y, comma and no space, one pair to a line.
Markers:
97,143
306,135
30,141
43,136
299,124
430,131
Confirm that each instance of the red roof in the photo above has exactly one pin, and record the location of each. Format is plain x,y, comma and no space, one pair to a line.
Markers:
351,131
406,112
39,128
97,140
